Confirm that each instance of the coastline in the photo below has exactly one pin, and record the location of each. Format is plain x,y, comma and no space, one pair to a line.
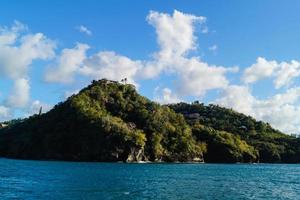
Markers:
143,162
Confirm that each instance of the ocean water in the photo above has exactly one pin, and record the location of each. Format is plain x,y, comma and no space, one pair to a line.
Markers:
21,179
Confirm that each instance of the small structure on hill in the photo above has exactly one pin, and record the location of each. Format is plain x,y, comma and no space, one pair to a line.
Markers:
2,125
105,81
124,80
244,128
192,115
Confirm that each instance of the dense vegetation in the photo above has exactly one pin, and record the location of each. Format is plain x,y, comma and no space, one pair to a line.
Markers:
234,137
110,121
107,121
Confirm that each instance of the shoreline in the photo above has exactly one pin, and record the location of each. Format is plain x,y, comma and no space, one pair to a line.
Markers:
143,162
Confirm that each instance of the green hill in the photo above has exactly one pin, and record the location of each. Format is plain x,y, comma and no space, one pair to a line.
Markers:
220,127
110,121
107,121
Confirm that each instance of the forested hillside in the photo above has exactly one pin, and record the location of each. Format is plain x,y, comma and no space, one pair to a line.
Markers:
211,123
110,121
107,121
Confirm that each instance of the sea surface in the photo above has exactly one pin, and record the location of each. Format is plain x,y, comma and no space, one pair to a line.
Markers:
21,179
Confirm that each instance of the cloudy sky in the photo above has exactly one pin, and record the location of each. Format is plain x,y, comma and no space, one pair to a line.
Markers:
243,55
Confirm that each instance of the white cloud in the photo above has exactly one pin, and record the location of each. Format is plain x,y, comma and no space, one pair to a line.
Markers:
197,77
213,48
238,98
69,63
165,96
151,69
104,64
176,39
280,110
108,64
282,72
18,52
286,73
9,36
83,29
260,70
175,33
19,96
4,113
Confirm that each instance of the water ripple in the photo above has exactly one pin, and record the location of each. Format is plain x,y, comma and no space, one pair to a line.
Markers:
67,180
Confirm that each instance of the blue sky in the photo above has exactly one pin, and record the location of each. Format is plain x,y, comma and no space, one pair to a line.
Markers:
239,54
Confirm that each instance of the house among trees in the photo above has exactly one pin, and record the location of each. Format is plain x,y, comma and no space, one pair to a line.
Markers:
3,125
192,115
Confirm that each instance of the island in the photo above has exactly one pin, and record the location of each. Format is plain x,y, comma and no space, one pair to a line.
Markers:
109,121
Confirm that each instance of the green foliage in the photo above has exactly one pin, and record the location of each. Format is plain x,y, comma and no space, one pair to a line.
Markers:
109,121
224,147
235,133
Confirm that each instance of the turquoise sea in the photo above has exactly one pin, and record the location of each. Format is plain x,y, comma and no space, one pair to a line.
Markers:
21,179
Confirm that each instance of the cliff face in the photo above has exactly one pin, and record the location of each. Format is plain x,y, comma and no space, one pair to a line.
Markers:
106,121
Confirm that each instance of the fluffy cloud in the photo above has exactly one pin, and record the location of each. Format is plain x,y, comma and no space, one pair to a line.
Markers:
69,63
83,29
260,70
8,36
175,37
165,96
282,72
197,77
4,113
108,64
18,52
19,96
175,33
280,110
238,98
104,64
286,73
